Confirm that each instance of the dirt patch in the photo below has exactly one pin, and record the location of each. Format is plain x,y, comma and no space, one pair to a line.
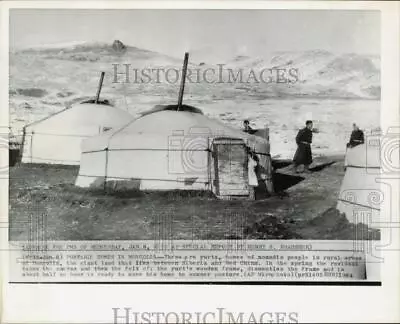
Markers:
302,211
333,225
271,227
32,92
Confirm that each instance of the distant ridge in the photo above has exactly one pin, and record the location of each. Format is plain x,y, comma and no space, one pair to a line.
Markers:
321,74
79,46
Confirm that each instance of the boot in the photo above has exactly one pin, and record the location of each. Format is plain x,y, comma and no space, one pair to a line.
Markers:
307,169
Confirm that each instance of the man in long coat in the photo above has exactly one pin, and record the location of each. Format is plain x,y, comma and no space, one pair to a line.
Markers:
303,155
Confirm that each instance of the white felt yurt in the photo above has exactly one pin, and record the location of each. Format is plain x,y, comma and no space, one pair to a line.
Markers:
166,149
57,138
360,195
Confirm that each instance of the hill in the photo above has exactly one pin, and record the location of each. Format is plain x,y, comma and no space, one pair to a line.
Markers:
46,78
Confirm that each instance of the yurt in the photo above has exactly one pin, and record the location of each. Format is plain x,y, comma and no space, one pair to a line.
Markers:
173,148
57,138
360,195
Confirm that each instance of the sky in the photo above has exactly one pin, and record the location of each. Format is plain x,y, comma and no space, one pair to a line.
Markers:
172,32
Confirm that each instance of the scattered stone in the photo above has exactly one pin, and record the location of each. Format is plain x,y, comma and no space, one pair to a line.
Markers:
25,105
270,227
63,94
118,46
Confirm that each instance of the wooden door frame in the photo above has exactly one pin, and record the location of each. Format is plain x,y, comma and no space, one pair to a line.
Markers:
214,152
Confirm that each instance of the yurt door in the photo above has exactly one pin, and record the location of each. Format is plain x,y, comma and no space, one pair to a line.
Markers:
230,166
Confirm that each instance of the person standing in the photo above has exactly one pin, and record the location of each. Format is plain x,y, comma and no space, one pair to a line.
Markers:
252,176
303,155
260,192
356,137
257,177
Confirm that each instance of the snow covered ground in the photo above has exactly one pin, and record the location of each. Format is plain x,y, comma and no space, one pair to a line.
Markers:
284,117
334,90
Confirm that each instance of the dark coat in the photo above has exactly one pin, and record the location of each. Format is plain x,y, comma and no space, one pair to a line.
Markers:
249,130
356,138
303,153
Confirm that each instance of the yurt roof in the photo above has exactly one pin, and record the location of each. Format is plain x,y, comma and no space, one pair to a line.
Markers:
99,102
155,130
187,108
170,122
82,114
